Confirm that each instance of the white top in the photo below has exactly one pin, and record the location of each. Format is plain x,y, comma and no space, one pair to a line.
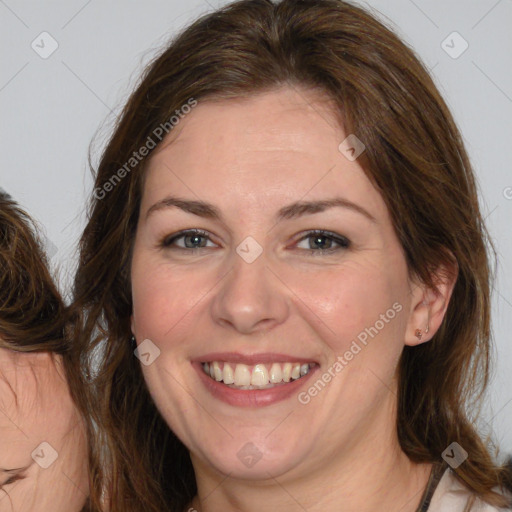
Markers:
452,496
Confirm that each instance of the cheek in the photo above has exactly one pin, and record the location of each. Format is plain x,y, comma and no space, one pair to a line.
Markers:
162,297
358,310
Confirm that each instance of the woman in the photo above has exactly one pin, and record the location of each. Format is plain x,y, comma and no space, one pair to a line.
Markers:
42,442
285,224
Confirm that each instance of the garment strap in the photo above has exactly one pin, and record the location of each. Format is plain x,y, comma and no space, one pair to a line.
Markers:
436,473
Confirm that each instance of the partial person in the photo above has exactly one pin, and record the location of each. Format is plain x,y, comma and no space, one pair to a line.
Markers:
43,449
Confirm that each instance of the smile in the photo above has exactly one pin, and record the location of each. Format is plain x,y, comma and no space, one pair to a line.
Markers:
258,376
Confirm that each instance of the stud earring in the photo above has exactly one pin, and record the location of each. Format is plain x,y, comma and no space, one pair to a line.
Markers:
418,334
133,342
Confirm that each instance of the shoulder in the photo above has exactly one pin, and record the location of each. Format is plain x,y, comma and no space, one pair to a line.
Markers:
451,495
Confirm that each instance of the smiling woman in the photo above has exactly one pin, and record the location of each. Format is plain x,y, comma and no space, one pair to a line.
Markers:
42,442
284,241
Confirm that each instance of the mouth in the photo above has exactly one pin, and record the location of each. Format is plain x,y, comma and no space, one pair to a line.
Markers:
253,381
258,376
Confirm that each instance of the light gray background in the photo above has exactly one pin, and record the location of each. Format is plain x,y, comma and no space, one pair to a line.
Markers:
51,109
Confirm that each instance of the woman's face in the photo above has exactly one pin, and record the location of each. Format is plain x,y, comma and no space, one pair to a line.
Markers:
259,297
43,451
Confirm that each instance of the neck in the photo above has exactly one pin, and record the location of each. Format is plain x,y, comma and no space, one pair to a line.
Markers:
370,472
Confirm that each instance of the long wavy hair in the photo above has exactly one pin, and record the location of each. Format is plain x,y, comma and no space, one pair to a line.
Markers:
415,158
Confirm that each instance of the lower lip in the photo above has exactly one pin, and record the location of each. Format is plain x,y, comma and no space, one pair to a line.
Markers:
251,397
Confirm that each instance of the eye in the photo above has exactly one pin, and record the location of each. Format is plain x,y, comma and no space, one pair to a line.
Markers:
12,479
188,240
321,242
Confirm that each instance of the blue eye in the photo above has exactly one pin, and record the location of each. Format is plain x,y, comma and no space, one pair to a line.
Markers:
192,239
322,242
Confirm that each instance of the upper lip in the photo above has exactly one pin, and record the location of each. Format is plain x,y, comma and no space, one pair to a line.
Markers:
251,359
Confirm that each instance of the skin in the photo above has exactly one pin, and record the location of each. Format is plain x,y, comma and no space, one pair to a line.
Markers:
36,407
249,158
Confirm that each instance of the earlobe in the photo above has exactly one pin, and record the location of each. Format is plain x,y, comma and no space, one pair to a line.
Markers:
418,332
429,307
421,334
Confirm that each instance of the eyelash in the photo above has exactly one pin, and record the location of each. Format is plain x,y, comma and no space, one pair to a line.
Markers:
11,480
343,242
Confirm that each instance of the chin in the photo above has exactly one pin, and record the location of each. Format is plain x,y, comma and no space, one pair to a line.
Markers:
260,459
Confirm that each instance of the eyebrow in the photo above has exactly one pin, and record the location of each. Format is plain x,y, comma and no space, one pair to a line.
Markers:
294,210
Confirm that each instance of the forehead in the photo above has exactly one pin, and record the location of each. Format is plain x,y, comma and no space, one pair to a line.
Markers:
278,145
17,398
33,402
265,121
21,382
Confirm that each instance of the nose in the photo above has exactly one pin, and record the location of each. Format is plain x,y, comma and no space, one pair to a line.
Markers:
250,299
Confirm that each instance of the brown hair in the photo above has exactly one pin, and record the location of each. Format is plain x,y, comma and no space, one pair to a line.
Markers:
414,156
33,316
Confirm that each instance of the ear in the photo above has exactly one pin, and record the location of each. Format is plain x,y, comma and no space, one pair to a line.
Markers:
429,305
132,324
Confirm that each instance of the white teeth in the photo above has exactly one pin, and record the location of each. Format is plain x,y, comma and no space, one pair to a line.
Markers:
259,375
227,374
217,372
287,371
276,374
242,375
